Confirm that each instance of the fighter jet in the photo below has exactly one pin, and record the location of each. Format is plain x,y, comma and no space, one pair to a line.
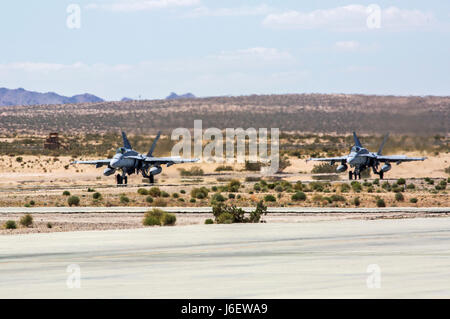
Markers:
130,161
360,158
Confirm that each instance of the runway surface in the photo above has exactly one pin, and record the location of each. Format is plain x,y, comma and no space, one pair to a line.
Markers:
130,209
407,257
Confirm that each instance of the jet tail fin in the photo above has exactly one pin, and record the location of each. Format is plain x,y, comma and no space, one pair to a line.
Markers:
356,139
382,144
126,142
152,148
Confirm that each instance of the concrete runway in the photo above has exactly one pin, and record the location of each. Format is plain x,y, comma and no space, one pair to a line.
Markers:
287,210
317,259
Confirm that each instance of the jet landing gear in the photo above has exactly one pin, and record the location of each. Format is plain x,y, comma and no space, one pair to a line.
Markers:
152,179
355,174
121,179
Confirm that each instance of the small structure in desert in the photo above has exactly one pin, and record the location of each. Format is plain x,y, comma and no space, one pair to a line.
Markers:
52,142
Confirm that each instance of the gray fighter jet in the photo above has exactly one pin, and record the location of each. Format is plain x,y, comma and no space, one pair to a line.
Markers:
360,158
130,161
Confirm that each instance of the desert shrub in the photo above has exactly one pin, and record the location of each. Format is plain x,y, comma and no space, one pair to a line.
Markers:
90,190
298,196
175,195
192,200
154,192
19,159
386,186
380,203
233,186
160,202
165,194
169,219
73,201
214,188
32,203
401,181
96,195
323,168
270,198
356,201
124,199
317,198
151,221
298,186
399,197
231,196
209,221
10,224
199,193
49,225
223,168
367,184
153,217
337,198
252,166
225,218
194,171
411,186
218,197
26,220
443,184
257,187
376,181
255,216
149,199
66,193
317,186
413,200
142,191
278,188
182,191
345,188
356,186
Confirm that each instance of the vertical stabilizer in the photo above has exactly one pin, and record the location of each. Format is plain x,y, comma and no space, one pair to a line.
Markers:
382,144
152,148
126,142
357,142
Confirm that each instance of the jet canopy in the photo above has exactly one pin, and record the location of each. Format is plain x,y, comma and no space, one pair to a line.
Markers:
121,150
356,149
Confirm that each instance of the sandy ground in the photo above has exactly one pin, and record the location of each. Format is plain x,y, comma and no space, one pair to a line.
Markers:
395,258
104,221
45,170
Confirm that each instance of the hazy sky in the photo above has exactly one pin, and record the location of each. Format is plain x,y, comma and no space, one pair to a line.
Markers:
149,48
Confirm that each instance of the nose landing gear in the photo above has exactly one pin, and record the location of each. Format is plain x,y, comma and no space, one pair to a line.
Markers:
121,179
355,174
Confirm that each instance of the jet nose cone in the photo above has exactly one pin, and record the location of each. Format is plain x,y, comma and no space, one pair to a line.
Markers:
115,162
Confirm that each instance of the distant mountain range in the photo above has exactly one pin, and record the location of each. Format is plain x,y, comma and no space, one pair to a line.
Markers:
23,97
174,96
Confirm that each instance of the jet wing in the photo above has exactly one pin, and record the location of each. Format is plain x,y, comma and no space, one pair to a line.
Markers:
169,160
97,163
398,158
328,159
